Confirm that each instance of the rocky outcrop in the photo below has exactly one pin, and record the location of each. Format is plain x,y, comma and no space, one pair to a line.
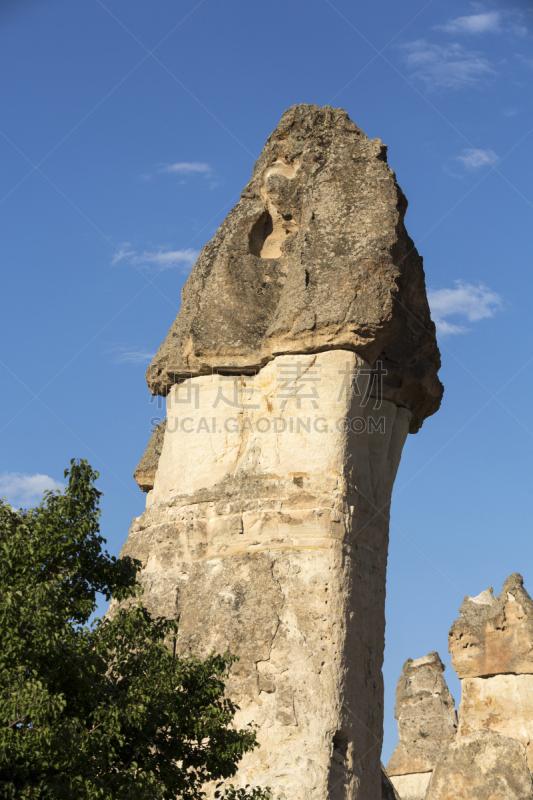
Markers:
301,357
482,766
491,756
503,703
494,635
314,257
147,467
427,723
492,652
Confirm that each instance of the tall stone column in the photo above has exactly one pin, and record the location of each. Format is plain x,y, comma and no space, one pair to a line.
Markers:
302,356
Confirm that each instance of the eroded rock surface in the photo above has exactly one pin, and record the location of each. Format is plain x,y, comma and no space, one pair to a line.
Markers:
315,256
492,651
302,355
147,467
273,544
426,716
427,723
482,766
494,635
491,754
503,703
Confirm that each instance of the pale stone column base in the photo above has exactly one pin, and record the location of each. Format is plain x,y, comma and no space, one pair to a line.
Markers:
269,537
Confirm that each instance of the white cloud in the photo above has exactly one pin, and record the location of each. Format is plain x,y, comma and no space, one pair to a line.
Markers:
474,159
131,355
486,22
448,66
451,173
186,168
473,303
489,22
21,489
122,253
162,258
445,328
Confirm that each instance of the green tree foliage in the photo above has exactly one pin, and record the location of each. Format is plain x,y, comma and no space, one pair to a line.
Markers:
107,710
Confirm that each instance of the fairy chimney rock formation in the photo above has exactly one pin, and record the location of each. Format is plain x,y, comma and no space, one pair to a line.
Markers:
491,756
302,355
427,723
492,652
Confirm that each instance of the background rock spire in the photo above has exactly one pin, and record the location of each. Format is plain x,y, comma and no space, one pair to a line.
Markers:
490,755
427,723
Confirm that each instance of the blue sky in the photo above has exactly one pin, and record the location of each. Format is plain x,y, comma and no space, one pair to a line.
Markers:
127,132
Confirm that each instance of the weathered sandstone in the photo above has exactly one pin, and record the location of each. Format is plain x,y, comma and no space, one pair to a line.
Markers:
482,766
492,651
314,257
491,755
301,357
427,723
503,703
494,635
278,552
147,467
